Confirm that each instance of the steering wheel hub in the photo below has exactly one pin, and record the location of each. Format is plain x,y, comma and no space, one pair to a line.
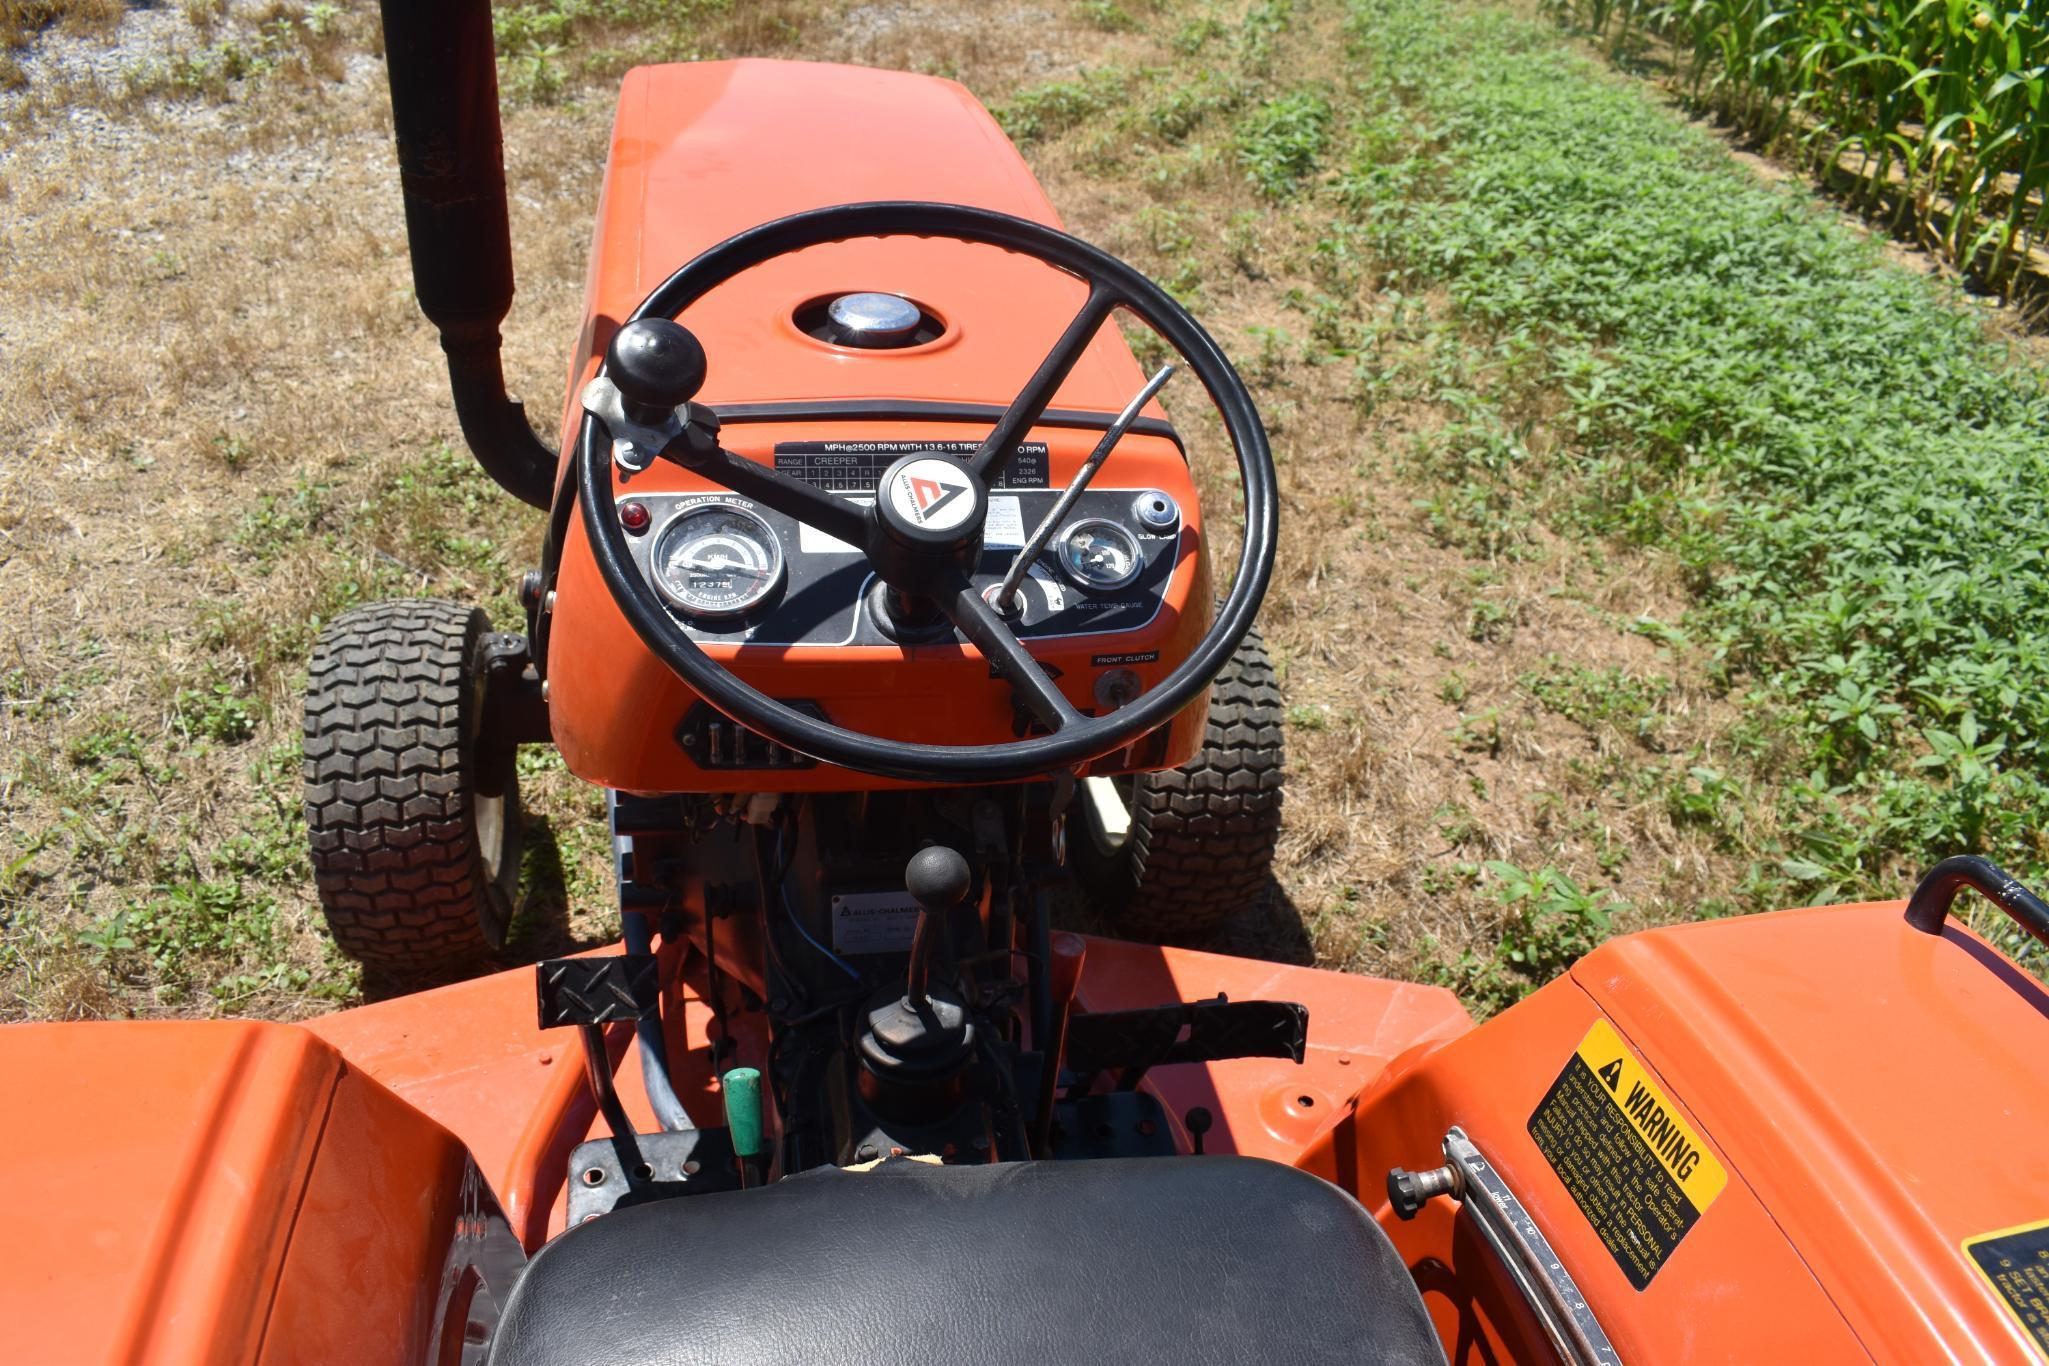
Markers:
931,502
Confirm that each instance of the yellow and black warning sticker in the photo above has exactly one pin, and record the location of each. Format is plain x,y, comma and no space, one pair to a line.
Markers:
2015,1263
1639,1172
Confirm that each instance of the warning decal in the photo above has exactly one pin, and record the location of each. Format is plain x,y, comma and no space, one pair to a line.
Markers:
2015,1263
1639,1172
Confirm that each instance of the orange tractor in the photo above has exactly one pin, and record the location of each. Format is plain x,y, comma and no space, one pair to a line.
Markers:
875,591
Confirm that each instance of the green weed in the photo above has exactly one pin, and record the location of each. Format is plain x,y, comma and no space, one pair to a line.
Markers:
216,711
1828,448
1479,733
1307,718
1043,110
1602,697
1107,15
1279,143
1553,921
280,521
1196,34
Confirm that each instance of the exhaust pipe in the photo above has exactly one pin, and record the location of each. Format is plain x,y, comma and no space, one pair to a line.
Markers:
451,163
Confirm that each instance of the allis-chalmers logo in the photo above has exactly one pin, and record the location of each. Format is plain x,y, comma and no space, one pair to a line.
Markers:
934,493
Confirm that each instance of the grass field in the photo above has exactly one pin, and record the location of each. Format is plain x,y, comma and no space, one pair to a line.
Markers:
1652,548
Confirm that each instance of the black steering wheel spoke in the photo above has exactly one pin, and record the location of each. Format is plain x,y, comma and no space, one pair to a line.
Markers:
990,634
1031,402
793,497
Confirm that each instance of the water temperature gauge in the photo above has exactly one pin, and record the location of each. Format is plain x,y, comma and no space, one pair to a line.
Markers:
1099,554
717,560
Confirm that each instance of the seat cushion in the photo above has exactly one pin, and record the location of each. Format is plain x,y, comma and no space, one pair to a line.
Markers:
1173,1260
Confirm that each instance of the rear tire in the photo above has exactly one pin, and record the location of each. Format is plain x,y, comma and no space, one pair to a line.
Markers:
1199,842
414,828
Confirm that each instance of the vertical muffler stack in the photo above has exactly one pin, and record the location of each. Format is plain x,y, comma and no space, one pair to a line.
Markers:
444,109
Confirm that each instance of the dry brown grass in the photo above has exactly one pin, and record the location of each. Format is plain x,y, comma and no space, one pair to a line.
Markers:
22,20
220,402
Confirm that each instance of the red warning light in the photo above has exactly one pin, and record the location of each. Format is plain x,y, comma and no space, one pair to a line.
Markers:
634,516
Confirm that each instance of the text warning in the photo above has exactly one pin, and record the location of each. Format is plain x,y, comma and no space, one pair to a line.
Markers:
1640,1173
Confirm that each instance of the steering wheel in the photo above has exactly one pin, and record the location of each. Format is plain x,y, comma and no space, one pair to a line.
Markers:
920,557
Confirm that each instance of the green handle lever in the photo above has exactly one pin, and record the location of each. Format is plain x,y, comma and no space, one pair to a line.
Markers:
742,1088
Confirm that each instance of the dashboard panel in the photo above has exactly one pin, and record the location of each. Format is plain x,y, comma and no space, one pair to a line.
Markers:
734,572
811,638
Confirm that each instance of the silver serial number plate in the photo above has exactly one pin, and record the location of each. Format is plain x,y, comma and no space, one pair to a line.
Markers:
873,922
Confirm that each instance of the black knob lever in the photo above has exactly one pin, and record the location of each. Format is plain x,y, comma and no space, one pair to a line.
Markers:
914,1047
657,366
1409,1191
937,879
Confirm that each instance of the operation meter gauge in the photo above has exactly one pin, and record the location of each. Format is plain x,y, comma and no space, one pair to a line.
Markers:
717,560
1099,554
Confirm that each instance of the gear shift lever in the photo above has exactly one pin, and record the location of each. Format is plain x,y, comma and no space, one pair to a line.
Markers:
937,880
915,1046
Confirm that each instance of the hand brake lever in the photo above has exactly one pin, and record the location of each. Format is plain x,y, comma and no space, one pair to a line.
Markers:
1004,597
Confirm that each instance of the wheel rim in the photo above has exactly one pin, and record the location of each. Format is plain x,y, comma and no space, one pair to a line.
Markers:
493,810
1107,805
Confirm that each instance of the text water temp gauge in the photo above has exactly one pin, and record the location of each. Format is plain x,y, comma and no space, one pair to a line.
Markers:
717,560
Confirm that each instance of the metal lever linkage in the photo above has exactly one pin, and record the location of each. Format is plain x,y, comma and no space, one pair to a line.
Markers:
1525,1253
1003,597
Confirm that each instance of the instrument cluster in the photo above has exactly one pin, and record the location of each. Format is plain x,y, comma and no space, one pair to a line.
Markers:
732,570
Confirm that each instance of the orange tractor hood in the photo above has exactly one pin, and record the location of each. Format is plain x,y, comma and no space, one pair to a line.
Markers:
1879,1090
703,151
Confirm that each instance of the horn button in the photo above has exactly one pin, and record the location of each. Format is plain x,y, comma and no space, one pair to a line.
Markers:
931,505
926,524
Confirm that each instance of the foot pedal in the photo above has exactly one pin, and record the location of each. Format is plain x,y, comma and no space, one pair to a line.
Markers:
591,993
597,991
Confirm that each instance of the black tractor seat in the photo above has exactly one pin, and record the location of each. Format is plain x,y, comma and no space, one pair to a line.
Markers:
1174,1260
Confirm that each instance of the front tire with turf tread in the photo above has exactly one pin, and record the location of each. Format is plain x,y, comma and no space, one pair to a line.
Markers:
414,827
1201,842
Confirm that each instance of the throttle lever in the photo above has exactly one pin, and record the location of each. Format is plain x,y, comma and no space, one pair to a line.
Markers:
1004,597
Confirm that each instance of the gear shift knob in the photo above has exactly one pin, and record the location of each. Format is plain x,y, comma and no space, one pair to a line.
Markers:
914,1048
937,878
657,366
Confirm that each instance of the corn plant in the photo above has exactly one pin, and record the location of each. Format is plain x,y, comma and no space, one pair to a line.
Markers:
1935,107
